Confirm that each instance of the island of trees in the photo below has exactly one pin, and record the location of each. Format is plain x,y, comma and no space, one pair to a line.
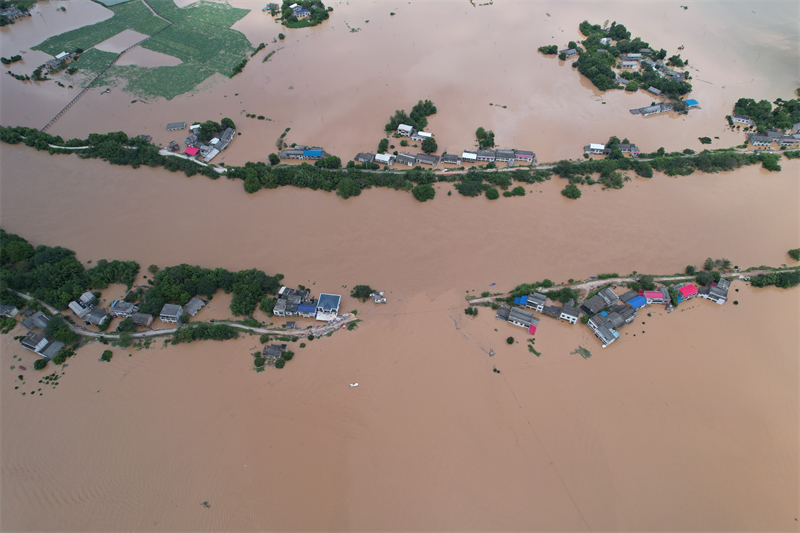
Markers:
418,118
317,13
596,66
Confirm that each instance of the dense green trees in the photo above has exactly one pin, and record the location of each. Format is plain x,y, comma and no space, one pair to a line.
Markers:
39,364
53,274
429,145
180,283
492,193
549,50
423,192
383,145
204,331
632,86
485,138
274,159
107,355
795,254
779,279
105,273
571,191
596,67
785,113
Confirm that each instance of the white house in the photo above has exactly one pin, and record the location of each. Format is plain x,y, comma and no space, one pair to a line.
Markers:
171,313
469,157
743,119
404,130
384,159
595,148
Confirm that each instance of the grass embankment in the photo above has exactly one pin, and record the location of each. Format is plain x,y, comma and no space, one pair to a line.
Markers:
200,37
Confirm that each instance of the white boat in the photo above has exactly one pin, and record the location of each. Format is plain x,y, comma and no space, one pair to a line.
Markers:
354,384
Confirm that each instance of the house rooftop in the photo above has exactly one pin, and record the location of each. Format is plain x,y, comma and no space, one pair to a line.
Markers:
171,310
194,305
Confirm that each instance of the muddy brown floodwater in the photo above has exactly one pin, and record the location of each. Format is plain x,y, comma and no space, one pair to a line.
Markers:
689,422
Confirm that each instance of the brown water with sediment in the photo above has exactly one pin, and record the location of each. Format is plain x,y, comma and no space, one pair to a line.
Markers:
690,424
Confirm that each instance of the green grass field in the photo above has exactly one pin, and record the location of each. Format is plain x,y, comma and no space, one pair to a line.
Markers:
200,37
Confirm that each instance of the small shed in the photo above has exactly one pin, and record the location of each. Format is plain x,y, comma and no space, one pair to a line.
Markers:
172,126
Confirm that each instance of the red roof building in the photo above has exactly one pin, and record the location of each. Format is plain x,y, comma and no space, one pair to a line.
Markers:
191,150
688,291
532,330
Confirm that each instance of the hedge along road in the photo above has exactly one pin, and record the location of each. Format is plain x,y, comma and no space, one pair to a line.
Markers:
589,286
317,331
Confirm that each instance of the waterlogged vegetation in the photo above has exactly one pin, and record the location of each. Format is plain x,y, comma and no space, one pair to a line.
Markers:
200,36
53,274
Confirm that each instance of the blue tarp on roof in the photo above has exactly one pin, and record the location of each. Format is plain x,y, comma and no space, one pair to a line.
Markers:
516,300
306,308
637,302
523,300
603,313
312,153
692,102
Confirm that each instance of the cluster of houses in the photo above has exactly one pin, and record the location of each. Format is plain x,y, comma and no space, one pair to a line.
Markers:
487,156
13,13
600,149
297,302
300,151
172,313
299,12
607,311
770,136
35,342
85,309
198,149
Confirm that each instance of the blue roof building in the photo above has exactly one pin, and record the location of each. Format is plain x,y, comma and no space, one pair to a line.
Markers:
692,103
637,302
328,306
521,300
312,153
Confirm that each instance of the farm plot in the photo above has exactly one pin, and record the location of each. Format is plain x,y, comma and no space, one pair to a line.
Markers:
200,37
129,16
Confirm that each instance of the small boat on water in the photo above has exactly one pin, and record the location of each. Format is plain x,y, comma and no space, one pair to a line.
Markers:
354,384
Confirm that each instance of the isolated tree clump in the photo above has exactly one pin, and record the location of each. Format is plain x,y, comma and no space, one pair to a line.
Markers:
424,192
571,191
